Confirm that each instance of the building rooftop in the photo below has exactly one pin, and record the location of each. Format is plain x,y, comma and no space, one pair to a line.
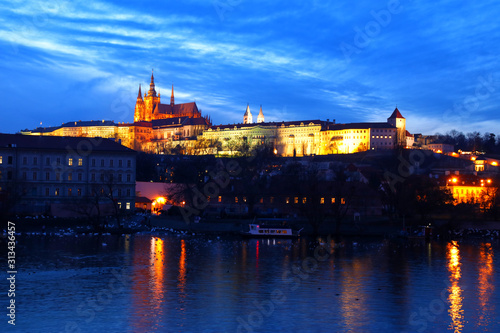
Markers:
60,143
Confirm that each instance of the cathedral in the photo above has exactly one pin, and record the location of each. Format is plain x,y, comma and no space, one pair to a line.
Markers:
150,108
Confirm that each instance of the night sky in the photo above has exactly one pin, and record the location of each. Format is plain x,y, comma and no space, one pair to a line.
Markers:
351,61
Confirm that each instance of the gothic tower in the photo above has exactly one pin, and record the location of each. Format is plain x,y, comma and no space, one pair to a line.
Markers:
139,107
247,118
397,120
260,117
150,100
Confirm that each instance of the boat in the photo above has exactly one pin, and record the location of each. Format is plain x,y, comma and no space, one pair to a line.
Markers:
257,230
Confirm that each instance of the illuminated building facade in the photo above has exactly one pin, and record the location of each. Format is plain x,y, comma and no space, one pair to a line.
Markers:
471,189
159,127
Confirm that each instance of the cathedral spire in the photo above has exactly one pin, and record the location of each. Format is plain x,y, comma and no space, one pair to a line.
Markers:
172,97
139,96
152,91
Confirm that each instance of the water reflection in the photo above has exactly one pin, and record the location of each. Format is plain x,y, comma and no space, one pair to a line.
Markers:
455,297
486,286
181,285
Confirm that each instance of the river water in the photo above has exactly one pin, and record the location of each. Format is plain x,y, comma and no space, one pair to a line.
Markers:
191,283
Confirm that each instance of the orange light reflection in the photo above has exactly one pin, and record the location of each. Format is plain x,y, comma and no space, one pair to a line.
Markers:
486,285
455,297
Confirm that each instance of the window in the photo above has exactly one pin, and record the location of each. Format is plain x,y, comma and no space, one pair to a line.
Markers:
120,163
287,200
70,176
79,191
236,199
322,201
296,200
244,199
102,177
56,192
220,198
9,159
9,175
304,200
35,160
47,176
102,162
271,200
70,161
119,192
80,177
47,161
33,191
128,192
129,163
69,192
58,176
333,200
120,177
342,201
93,162
80,162
110,163
47,191
25,160
93,177
208,198
128,178
127,205
24,175
58,160
261,200
119,205
1,159
34,175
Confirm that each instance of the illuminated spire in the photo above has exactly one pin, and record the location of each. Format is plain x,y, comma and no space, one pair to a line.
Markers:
260,117
247,117
139,96
172,97
152,91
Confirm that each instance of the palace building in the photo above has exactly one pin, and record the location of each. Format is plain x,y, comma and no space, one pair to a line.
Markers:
162,128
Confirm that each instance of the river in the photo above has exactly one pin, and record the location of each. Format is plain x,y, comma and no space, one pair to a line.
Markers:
196,283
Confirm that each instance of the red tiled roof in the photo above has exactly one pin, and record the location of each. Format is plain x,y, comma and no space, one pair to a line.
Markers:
396,114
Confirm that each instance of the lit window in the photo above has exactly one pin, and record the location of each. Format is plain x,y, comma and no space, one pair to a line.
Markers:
70,161
56,192
322,201
236,199
244,199
119,205
69,192
287,200
208,198
342,201
80,162
333,200
79,192
1,159
220,198
296,200
304,200
127,205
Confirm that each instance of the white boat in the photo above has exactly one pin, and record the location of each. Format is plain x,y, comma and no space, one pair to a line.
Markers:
257,230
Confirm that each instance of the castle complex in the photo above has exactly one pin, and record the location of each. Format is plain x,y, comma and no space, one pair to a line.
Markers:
161,127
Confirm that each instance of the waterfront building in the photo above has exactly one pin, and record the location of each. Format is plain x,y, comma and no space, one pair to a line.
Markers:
471,189
60,175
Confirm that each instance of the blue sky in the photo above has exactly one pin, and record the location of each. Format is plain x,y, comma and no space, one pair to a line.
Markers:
345,60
